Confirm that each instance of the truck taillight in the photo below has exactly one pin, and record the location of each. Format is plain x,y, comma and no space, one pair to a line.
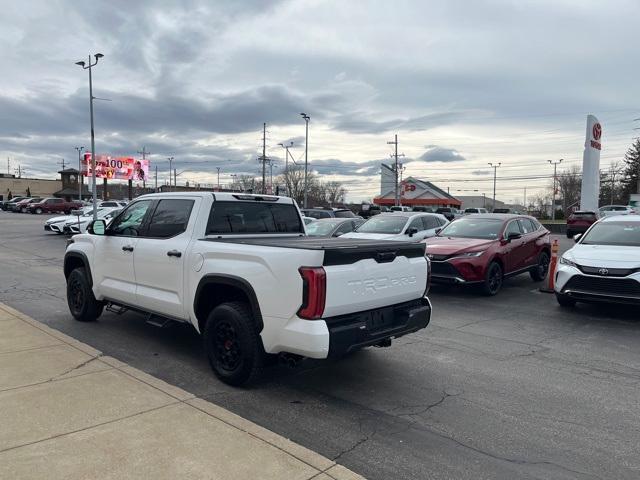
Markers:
314,292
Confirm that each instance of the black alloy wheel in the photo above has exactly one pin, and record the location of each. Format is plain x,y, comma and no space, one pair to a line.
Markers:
82,303
493,279
539,272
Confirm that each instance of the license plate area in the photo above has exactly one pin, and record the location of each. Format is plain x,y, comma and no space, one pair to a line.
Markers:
381,319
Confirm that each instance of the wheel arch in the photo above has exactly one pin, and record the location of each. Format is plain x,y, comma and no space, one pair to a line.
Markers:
215,289
73,260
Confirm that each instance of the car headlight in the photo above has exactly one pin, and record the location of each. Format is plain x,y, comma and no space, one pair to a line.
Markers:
471,254
566,261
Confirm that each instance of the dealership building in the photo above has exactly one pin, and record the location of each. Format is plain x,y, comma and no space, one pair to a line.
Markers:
413,192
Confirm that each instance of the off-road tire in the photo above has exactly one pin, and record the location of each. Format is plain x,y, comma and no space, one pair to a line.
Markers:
82,303
233,344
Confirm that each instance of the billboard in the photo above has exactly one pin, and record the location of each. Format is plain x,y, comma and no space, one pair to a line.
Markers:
117,168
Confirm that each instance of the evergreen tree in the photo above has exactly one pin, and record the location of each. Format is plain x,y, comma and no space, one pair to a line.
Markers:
632,170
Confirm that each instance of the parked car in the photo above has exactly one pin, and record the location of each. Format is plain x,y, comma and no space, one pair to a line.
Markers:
328,213
603,265
505,210
400,226
240,270
422,208
449,213
53,205
23,205
475,210
16,206
333,227
400,208
368,210
49,223
79,225
112,204
6,205
580,221
616,210
485,249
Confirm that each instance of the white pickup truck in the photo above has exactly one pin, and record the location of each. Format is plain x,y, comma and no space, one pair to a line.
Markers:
240,269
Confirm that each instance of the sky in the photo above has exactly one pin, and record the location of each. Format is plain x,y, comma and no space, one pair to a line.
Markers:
461,83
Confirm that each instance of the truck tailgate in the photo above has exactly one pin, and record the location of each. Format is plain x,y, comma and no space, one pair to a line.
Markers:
387,277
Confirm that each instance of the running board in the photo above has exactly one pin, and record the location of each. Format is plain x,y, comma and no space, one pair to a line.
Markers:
117,309
160,322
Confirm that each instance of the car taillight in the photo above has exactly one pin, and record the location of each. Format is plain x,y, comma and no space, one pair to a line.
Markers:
314,292
426,290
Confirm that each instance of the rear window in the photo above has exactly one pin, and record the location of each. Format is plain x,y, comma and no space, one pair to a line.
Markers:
316,214
344,214
254,217
583,216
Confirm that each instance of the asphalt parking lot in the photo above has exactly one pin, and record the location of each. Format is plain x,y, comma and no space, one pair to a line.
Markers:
509,387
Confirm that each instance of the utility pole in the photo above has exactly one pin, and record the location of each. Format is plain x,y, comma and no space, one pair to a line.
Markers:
306,155
175,179
218,168
396,171
156,179
62,163
495,174
286,155
170,170
525,198
80,181
553,197
8,166
264,157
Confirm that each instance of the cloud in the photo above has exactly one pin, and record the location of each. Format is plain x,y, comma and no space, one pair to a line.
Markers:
480,172
435,153
358,123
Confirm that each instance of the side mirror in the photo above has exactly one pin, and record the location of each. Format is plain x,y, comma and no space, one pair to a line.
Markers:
97,227
576,238
412,231
513,236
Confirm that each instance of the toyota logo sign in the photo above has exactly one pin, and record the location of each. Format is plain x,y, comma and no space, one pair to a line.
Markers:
597,131
603,271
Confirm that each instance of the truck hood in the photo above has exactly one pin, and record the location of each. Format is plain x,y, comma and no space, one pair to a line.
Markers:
377,236
451,246
604,256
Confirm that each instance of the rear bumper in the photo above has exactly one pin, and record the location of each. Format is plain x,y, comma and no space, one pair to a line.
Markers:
361,329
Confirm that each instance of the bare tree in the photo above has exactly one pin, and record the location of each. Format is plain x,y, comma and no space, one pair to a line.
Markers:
335,193
569,186
245,183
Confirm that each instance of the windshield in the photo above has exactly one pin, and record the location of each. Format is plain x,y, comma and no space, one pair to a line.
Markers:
484,228
613,233
383,224
320,228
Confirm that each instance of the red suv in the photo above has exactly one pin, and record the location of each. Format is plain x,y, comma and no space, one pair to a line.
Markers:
484,249
53,205
579,222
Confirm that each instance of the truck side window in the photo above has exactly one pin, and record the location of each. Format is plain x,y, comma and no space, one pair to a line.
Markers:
170,218
129,223
253,217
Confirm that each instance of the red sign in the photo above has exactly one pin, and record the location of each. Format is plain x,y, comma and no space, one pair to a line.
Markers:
597,131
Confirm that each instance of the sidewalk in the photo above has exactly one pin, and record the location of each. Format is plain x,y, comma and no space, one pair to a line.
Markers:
68,412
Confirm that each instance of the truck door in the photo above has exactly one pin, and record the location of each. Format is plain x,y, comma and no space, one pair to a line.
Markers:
114,273
159,258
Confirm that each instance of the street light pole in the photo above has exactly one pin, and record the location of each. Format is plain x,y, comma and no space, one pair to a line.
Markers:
218,168
88,66
80,181
495,174
553,196
306,155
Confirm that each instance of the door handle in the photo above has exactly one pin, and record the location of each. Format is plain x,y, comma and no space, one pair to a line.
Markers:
127,248
174,253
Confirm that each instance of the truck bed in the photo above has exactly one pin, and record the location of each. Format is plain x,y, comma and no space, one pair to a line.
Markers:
338,251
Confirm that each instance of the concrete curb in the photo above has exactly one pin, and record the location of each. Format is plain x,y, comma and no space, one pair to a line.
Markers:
324,467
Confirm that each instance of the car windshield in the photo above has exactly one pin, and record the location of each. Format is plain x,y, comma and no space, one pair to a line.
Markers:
484,228
320,228
383,224
623,234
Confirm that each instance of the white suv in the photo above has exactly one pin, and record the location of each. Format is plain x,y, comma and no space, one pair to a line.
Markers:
604,265
609,210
